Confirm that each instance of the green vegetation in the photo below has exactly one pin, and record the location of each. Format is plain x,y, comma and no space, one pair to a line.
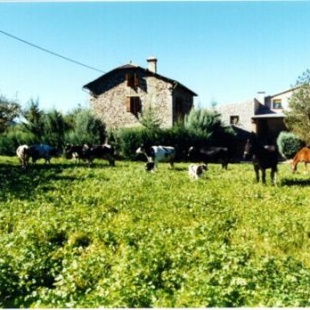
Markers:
289,144
74,236
297,117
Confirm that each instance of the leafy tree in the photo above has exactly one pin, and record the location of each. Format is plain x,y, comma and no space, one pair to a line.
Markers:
8,111
298,115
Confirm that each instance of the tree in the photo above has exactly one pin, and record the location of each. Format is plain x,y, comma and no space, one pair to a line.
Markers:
34,121
149,119
86,128
298,115
207,125
55,128
8,111
45,127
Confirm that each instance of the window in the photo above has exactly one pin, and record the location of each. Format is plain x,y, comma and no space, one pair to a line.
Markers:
179,108
133,105
234,119
132,80
276,104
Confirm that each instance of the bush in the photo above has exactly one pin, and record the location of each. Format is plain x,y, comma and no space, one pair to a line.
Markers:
288,144
129,139
12,138
180,137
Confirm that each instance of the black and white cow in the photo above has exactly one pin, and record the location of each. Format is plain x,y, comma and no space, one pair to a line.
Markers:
209,155
90,152
22,155
156,154
38,151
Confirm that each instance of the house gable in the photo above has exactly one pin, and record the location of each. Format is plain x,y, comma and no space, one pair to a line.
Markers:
119,96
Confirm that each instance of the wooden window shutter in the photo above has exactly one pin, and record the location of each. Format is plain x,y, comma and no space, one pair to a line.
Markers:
133,105
127,78
136,80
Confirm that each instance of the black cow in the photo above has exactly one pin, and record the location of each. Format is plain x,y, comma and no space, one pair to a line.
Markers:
89,152
210,154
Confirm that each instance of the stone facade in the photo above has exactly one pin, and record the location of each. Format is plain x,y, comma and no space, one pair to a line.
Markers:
121,95
240,114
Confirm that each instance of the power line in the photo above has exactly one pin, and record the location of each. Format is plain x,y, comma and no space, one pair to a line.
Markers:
50,52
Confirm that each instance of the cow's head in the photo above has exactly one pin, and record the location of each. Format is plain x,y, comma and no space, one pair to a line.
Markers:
141,149
56,152
149,166
68,151
203,167
192,153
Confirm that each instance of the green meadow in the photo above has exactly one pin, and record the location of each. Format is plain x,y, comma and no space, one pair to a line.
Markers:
79,236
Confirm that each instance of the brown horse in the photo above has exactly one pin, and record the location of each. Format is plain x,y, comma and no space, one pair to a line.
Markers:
302,156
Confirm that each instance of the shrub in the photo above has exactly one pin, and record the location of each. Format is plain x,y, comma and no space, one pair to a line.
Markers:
12,138
288,144
129,139
86,129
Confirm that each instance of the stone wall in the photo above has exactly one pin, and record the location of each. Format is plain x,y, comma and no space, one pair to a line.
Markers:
244,111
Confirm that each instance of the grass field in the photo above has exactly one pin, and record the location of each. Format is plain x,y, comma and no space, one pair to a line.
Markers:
78,236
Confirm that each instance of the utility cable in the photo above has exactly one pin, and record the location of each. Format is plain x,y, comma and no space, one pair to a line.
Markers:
50,52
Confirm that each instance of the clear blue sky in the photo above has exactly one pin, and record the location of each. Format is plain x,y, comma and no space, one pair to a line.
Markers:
223,51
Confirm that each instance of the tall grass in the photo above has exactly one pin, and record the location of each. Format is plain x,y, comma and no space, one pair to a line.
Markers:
78,236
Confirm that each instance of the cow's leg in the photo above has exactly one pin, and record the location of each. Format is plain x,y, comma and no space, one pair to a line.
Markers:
25,162
224,165
256,169
273,175
111,160
264,176
156,165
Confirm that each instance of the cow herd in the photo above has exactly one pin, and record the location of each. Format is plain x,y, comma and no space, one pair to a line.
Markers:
153,154
263,156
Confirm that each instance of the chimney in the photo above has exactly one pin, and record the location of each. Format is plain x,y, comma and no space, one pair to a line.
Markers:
261,97
152,64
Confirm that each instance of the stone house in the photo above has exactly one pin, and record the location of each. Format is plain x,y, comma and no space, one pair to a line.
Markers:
120,96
